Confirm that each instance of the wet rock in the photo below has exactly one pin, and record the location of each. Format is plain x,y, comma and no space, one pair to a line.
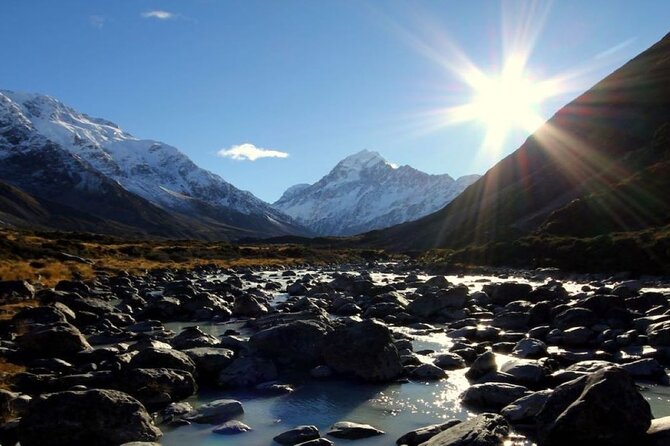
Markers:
158,387
297,343
317,442
100,417
430,304
504,293
483,430
60,340
525,409
576,336
647,369
511,320
492,396
525,372
449,361
247,372
162,358
248,306
193,337
608,410
173,414
209,361
428,372
216,412
297,435
232,427
483,365
364,349
575,317
353,431
530,348
418,436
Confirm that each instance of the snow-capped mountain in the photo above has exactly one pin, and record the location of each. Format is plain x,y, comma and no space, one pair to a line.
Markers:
99,152
365,192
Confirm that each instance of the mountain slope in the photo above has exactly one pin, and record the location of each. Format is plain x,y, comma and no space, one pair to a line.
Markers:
599,165
55,153
364,192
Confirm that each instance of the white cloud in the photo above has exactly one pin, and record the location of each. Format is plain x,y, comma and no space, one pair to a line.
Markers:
158,14
250,152
97,21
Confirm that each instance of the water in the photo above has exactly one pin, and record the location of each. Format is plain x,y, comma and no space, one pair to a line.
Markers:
394,408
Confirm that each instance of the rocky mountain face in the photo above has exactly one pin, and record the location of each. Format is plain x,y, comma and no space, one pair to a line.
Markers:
364,192
90,165
599,166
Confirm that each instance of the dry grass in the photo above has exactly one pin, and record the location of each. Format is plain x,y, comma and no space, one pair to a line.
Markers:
7,372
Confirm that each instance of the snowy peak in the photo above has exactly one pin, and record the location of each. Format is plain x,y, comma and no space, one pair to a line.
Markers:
365,192
152,170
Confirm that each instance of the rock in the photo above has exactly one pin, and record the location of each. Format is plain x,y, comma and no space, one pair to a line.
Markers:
449,361
364,349
504,293
647,369
210,361
493,396
248,306
296,343
659,432
575,317
511,320
576,336
430,304
100,417
162,358
247,372
216,412
317,442
353,431
418,436
608,410
297,435
525,372
483,365
174,413
483,430
530,348
48,314
193,337
16,289
232,427
428,372
158,387
60,340
321,372
659,334
525,409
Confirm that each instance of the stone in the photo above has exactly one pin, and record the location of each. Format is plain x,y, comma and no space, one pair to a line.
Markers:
216,412
210,361
100,417
504,293
17,289
608,410
353,431
483,430
418,436
483,365
61,340
364,349
430,304
428,372
449,361
296,343
162,358
659,432
492,396
530,348
525,409
158,386
299,434
247,372
193,337
232,427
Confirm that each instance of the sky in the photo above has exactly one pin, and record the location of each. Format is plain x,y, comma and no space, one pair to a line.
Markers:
272,93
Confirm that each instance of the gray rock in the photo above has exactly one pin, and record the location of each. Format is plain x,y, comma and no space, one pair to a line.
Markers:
428,372
353,431
418,436
493,396
100,417
210,361
162,358
216,412
525,409
247,372
449,361
484,364
295,343
299,434
232,427
60,340
483,430
530,348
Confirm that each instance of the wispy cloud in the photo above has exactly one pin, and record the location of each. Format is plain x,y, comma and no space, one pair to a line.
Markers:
97,21
158,15
250,152
615,48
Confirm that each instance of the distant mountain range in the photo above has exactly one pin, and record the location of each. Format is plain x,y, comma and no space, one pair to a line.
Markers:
75,172
599,166
364,192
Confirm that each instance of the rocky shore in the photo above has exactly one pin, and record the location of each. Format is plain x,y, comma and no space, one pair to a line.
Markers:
559,366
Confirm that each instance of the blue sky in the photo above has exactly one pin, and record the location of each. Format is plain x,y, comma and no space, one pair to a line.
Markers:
317,80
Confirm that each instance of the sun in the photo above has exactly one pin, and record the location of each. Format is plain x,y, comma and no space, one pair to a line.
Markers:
503,102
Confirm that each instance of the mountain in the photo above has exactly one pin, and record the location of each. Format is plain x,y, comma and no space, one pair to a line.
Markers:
599,166
365,192
61,156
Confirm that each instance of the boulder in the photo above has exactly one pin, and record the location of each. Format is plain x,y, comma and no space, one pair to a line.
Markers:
483,430
530,348
247,372
364,349
158,387
60,340
93,417
504,293
297,435
604,408
162,358
428,372
492,396
449,361
210,361
193,337
16,289
525,409
430,304
216,412
418,436
353,431
483,365
296,343
232,427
